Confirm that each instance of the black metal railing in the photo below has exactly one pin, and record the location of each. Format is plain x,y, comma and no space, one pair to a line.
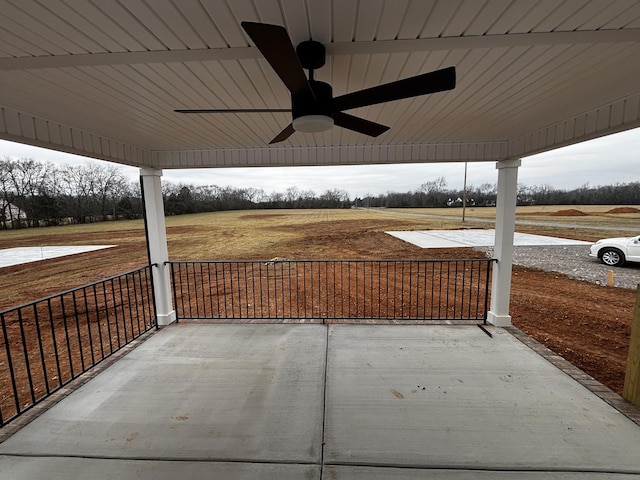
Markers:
332,289
47,343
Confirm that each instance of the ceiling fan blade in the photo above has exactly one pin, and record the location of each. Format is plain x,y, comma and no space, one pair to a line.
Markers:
358,124
232,110
284,134
431,82
275,45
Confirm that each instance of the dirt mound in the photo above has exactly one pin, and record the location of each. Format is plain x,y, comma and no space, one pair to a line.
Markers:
624,210
572,212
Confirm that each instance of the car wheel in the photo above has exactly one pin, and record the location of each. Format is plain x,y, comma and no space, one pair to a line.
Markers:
612,257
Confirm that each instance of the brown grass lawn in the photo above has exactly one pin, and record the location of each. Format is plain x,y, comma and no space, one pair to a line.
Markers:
566,315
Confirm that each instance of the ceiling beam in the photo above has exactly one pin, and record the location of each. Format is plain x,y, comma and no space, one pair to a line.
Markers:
341,48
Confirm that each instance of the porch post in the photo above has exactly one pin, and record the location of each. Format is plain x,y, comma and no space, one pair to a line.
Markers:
157,243
498,315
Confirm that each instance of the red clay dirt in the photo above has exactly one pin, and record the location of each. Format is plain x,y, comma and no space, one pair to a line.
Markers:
624,210
571,212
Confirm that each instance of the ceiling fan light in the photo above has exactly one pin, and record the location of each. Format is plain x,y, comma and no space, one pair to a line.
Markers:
312,123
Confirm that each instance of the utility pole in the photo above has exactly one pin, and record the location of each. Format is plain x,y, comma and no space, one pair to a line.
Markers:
464,193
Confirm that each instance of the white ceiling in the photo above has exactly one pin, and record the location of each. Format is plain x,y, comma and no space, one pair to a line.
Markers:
101,78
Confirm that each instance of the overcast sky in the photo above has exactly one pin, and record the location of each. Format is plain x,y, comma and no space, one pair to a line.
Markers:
604,161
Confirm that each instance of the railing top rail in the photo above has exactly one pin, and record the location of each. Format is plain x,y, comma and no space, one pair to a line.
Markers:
335,260
76,289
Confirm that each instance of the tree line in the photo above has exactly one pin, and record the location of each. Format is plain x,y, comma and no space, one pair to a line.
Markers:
35,193
435,193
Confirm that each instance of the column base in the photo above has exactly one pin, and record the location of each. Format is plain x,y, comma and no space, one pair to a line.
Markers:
166,319
498,320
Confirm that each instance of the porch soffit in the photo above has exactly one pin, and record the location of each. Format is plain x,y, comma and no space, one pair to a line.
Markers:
103,82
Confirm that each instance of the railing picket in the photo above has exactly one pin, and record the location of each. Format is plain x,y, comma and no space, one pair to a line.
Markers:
115,313
187,283
172,267
486,294
124,311
342,295
295,289
371,302
97,306
135,299
282,288
201,290
215,275
36,320
326,290
66,335
334,290
261,297
464,277
130,309
234,289
88,318
210,293
54,341
106,312
311,283
411,287
12,373
246,291
253,289
471,284
76,316
455,288
224,291
304,287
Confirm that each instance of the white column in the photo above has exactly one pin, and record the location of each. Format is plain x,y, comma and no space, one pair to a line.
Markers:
157,243
505,226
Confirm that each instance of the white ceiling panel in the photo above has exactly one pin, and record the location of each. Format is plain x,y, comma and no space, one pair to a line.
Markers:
102,77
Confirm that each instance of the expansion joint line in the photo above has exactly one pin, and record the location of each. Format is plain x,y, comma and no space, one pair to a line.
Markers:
324,399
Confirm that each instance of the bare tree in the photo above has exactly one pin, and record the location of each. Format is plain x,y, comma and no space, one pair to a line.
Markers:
435,191
25,183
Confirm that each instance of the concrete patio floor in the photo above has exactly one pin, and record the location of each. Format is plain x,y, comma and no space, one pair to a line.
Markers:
309,401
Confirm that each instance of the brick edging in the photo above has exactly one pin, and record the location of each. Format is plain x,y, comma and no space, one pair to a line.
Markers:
594,386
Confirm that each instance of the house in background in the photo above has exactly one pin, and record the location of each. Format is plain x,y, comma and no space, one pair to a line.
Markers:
10,215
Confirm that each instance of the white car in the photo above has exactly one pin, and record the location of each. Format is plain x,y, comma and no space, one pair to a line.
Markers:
616,251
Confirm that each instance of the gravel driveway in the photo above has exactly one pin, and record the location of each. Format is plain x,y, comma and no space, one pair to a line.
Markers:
575,262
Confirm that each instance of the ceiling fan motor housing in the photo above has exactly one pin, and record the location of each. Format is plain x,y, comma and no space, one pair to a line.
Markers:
313,114
322,104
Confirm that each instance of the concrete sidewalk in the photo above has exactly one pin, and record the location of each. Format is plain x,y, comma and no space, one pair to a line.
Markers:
344,401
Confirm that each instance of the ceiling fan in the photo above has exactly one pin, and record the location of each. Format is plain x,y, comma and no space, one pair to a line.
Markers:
313,107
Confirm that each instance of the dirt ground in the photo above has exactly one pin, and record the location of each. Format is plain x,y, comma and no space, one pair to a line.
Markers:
587,324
